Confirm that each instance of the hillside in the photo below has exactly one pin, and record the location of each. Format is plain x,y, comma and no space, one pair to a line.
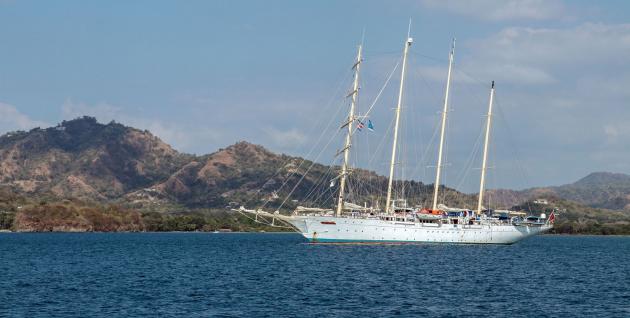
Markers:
105,163
84,159
575,218
86,176
603,190
249,174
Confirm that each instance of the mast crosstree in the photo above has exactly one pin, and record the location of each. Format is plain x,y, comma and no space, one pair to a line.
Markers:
346,149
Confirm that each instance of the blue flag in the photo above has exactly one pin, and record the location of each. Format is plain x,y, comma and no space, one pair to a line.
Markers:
370,126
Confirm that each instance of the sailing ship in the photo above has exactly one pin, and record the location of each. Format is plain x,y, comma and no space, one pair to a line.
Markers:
349,222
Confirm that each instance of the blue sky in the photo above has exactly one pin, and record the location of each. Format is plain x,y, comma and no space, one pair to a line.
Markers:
204,74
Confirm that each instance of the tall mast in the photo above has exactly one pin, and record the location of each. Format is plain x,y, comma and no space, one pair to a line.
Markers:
485,152
400,97
349,123
444,114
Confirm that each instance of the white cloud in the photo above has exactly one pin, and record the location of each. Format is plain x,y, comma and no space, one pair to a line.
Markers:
545,55
11,119
498,10
285,139
589,42
616,132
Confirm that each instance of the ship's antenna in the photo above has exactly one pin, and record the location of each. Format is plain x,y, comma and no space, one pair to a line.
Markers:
482,184
350,123
362,36
443,129
400,97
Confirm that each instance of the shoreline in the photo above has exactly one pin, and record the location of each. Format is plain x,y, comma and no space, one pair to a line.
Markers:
236,232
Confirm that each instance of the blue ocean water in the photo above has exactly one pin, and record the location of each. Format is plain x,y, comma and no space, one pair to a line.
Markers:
278,275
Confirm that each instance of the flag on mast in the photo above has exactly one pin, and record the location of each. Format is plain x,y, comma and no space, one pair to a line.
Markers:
360,125
370,126
552,218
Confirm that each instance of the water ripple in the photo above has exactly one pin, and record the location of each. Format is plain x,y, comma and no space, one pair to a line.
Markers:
277,275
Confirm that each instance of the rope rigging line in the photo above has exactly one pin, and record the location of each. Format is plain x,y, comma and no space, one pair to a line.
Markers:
376,99
319,139
306,172
338,88
302,161
378,96
463,174
516,153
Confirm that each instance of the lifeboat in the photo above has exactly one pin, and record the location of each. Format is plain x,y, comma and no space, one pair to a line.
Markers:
428,214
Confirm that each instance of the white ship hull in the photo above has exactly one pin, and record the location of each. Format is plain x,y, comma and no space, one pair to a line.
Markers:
333,229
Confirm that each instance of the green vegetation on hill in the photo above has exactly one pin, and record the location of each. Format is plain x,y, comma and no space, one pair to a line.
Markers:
605,190
76,217
203,220
575,218
81,216
6,220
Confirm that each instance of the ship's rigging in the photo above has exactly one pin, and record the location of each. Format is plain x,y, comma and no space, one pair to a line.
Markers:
339,204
